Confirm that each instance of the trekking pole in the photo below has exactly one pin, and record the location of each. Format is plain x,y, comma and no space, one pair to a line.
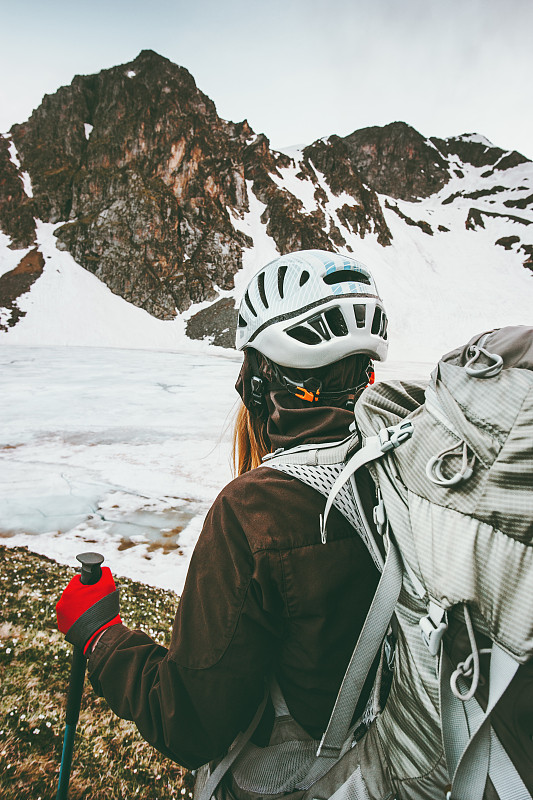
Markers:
90,573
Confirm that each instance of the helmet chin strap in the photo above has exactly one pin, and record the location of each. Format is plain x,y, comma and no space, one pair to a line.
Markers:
309,390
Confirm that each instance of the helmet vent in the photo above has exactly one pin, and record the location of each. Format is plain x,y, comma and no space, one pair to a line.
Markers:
261,287
346,276
377,321
337,323
304,277
242,322
319,324
360,315
249,304
304,335
281,279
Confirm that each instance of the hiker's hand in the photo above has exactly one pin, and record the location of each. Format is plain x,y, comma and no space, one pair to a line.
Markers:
85,610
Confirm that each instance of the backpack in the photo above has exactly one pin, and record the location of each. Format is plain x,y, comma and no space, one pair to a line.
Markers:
452,462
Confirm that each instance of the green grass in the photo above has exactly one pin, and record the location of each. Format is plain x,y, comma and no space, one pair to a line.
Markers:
111,760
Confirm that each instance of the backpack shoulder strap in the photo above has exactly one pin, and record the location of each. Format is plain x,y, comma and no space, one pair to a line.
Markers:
367,646
330,470
385,598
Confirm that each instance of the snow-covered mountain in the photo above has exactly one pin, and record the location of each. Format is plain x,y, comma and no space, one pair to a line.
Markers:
133,216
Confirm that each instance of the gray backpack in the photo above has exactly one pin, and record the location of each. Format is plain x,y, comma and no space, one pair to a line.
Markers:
453,466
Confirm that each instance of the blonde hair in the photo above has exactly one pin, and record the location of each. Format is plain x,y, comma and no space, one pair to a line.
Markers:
250,441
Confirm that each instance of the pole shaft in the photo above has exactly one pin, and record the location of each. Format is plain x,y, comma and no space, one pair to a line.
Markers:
90,573
75,691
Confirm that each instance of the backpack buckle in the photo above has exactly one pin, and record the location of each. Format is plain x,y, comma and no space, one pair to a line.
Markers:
393,437
433,627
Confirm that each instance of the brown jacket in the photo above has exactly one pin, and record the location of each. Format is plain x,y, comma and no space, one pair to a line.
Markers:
262,596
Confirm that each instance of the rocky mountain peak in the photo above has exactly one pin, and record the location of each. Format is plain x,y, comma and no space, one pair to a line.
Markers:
397,160
137,163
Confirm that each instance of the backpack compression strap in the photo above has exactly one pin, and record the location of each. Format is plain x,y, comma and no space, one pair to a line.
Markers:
473,750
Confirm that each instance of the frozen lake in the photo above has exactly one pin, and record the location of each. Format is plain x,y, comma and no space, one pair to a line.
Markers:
120,451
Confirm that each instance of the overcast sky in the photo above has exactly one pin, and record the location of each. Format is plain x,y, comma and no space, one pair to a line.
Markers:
296,69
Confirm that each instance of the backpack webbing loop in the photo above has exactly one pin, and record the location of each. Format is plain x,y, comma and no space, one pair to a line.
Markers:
434,466
493,368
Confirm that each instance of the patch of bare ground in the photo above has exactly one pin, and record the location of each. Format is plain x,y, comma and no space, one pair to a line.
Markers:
17,282
111,761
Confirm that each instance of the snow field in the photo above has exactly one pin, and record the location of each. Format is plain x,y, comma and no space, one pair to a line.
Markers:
119,451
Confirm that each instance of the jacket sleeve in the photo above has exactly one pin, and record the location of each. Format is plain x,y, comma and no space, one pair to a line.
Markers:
192,700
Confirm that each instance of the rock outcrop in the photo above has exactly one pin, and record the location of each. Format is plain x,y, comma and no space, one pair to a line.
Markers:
16,208
217,322
334,160
471,149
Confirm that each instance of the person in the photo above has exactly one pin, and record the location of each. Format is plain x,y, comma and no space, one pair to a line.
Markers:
263,597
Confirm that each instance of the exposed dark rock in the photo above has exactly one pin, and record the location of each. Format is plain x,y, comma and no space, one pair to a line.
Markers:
422,224
511,160
528,250
398,161
485,192
522,203
478,154
451,198
475,218
217,322
285,219
16,208
507,242
475,195
443,229
17,282
333,159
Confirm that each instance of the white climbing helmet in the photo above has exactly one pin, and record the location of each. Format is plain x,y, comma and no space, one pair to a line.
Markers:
312,308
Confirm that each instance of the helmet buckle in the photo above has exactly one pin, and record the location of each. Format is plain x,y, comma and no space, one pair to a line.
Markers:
257,390
308,390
